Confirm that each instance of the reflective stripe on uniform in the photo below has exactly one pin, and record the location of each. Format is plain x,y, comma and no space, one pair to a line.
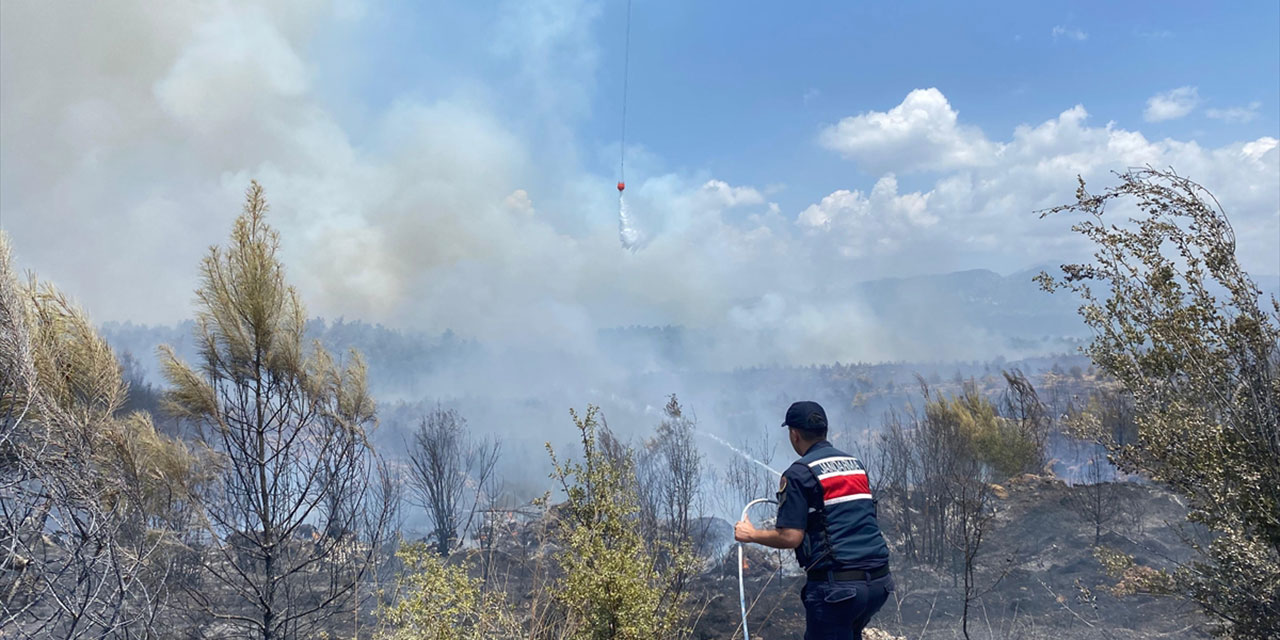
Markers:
856,496
835,459
844,486
836,466
824,476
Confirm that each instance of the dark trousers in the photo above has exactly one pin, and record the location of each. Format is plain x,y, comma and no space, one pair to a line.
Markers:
840,609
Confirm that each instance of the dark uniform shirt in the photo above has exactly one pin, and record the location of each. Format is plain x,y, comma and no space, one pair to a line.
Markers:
826,493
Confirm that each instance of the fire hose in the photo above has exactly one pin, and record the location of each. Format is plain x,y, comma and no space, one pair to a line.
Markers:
742,591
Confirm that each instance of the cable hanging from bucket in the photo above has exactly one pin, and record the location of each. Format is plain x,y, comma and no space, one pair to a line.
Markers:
628,236
626,73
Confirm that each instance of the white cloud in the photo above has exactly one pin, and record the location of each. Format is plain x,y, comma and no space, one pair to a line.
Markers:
1235,114
1258,149
974,211
921,133
725,195
873,223
1072,33
1171,105
519,201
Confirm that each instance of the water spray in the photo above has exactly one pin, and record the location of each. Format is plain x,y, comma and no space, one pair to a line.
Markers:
627,234
742,453
742,589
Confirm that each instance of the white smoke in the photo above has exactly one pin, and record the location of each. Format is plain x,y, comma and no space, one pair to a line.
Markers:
418,210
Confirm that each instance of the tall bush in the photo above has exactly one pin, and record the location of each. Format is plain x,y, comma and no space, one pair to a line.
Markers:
1187,333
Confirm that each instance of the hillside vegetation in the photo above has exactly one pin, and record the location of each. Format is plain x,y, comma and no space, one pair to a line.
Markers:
250,495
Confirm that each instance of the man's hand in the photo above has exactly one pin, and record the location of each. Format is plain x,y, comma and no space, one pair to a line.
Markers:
777,538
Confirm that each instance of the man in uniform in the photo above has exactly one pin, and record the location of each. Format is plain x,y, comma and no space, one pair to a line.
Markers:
826,513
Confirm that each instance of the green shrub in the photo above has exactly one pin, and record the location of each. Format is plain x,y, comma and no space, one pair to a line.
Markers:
613,585
996,442
439,601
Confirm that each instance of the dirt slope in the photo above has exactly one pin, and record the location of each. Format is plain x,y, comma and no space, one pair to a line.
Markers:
1039,566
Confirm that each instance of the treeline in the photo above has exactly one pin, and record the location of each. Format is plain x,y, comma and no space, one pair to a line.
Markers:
400,360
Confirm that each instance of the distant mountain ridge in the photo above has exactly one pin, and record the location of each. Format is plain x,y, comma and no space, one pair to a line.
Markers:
1013,306
1013,316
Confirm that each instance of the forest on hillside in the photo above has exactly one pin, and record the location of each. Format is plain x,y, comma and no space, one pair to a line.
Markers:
243,490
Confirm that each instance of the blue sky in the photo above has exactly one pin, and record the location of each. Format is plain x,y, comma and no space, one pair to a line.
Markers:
451,165
742,91
723,70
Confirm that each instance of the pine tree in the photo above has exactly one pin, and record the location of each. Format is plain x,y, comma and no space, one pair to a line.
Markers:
287,425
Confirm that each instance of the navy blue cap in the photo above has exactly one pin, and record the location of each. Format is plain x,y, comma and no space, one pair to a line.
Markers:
806,415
